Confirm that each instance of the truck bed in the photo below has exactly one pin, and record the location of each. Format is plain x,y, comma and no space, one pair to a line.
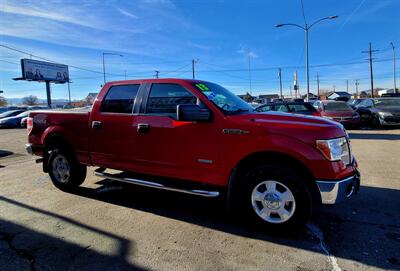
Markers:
71,124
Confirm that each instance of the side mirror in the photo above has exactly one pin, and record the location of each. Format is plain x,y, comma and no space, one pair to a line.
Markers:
193,112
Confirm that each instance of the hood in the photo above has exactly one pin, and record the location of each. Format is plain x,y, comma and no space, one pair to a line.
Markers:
302,127
388,109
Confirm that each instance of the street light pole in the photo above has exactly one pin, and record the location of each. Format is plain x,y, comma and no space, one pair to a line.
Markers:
104,65
394,67
307,68
306,29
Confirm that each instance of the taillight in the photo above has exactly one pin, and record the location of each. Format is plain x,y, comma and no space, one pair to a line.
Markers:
29,124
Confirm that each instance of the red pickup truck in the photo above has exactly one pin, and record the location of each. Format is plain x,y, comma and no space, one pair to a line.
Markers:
196,137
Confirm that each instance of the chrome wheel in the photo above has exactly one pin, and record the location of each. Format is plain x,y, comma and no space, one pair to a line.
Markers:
273,202
60,169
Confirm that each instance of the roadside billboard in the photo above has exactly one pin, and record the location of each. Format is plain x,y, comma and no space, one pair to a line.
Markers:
35,70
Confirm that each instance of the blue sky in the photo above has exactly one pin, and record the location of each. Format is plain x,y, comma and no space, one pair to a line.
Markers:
166,35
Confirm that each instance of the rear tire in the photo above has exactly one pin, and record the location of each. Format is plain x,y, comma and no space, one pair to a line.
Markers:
65,171
274,197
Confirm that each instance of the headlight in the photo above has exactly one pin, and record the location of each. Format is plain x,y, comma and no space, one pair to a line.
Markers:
384,114
329,118
336,149
356,115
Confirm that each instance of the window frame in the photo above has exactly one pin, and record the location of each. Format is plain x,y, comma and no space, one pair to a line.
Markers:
135,101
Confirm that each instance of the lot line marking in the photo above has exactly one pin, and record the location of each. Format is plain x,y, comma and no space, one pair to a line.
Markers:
316,231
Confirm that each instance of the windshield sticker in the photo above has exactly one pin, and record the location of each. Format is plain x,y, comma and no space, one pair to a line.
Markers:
202,87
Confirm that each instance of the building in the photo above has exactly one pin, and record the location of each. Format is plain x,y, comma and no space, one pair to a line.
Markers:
339,95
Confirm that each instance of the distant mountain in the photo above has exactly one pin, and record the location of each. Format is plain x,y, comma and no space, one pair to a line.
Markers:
18,101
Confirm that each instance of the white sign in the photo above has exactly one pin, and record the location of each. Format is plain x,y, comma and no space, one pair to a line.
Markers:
44,71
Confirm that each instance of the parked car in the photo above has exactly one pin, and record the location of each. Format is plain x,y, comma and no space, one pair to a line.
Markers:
14,121
9,108
380,111
11,113
198,138
290,107
339,111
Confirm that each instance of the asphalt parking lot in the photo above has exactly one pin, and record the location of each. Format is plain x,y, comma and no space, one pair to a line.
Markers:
109,226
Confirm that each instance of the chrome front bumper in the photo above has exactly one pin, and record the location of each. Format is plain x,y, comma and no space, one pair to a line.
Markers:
339,190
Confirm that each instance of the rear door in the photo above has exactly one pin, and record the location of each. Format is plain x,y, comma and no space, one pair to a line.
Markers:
167,147
113,130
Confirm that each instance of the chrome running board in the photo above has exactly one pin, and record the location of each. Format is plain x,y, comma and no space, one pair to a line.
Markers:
203,193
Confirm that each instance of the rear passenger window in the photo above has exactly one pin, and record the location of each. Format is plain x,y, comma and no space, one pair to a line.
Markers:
120,99
164,98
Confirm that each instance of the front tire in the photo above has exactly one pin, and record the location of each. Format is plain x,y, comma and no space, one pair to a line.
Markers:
65,171
274,197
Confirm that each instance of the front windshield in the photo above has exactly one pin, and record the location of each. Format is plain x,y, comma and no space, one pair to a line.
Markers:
225,100
337,106
386,102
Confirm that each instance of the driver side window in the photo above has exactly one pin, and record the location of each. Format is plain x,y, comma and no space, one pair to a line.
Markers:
164,98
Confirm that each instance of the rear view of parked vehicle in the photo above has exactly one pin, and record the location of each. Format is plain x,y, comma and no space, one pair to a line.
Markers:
339,111
380,111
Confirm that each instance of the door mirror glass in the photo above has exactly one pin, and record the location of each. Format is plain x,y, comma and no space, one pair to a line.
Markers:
193,112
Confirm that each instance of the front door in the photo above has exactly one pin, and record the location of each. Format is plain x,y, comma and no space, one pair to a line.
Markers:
167,147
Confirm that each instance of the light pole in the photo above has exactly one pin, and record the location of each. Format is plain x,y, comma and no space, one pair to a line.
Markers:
394,67
306,28
104,65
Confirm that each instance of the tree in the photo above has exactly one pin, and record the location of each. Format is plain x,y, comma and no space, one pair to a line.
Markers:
3,101
30,100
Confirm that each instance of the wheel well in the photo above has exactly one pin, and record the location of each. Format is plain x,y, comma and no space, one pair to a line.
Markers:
272,158
51,142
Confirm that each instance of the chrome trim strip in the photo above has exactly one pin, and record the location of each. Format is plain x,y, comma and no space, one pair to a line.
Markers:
205,161
202,193
330,197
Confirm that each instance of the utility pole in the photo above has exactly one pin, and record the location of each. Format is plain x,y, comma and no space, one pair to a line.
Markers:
394,67
318,85
357,87
347,86
280,81
193,62
248,56
370,51
157,72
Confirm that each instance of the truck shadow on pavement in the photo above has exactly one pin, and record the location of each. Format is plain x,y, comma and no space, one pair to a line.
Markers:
374,136
365,229
22,248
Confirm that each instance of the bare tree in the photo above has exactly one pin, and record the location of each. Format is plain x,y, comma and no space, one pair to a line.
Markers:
30,100
3,101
